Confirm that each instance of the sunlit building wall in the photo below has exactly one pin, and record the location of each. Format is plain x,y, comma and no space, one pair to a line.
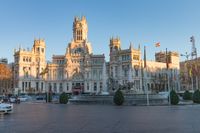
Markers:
78,70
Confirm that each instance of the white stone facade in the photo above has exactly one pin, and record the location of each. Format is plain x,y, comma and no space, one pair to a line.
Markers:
28,66
81,71
126,66
78,70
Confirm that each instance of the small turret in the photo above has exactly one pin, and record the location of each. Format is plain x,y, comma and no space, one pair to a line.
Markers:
139,47
39,46
115,44
131,46
83,18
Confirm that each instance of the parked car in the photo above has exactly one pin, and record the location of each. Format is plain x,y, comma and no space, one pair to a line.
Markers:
164,94
55,98
4,99
23,98
40,97
1,98
6,108
14,99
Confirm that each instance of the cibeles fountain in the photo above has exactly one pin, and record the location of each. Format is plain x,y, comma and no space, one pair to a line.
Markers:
105,78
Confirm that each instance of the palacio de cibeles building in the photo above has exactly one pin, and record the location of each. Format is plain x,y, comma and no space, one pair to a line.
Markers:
78,70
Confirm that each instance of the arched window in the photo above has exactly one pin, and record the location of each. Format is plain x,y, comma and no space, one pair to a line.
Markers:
148,86
116,48
152,86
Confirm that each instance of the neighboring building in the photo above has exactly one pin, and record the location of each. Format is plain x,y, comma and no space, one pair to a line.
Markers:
169,70
6,81
78,70
190,74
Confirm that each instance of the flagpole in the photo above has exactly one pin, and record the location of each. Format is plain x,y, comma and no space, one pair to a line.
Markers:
167,66
145,65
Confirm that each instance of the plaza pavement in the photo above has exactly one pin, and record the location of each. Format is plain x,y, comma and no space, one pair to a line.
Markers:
57,118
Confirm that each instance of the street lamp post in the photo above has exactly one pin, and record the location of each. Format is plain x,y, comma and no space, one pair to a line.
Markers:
144,74
187,56
167,68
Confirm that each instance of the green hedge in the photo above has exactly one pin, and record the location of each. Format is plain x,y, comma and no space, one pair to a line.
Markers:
196,96
63,98
174,98
118,98
187,95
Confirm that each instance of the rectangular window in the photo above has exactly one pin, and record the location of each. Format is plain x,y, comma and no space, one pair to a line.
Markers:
67,86
125,73
95,86
42,86
137,83
26,85
54,87
136,72
50,87
88,87
29,85
116,71
60,87
23,86
101,85
94,73
37,86
37,72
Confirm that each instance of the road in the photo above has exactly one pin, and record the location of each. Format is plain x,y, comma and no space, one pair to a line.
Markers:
57,118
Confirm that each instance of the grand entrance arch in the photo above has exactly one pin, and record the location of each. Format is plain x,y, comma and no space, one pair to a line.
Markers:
77,83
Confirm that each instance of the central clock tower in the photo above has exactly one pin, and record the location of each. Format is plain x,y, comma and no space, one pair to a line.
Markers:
79,43
80,29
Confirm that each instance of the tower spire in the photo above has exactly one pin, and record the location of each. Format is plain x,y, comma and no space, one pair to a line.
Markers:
131,45
80,29
139,47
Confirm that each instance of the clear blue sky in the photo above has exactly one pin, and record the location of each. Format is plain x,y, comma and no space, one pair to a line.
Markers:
170,22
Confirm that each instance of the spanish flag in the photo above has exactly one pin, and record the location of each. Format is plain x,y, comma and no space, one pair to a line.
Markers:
157,44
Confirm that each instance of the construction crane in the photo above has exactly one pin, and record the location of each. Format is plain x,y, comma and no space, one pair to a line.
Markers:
194,49
194,57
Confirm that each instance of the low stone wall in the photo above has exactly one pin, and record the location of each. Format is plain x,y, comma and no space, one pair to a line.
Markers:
129,100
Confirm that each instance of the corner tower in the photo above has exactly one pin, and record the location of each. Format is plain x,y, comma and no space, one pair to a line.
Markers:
39,49
39,46
80,29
